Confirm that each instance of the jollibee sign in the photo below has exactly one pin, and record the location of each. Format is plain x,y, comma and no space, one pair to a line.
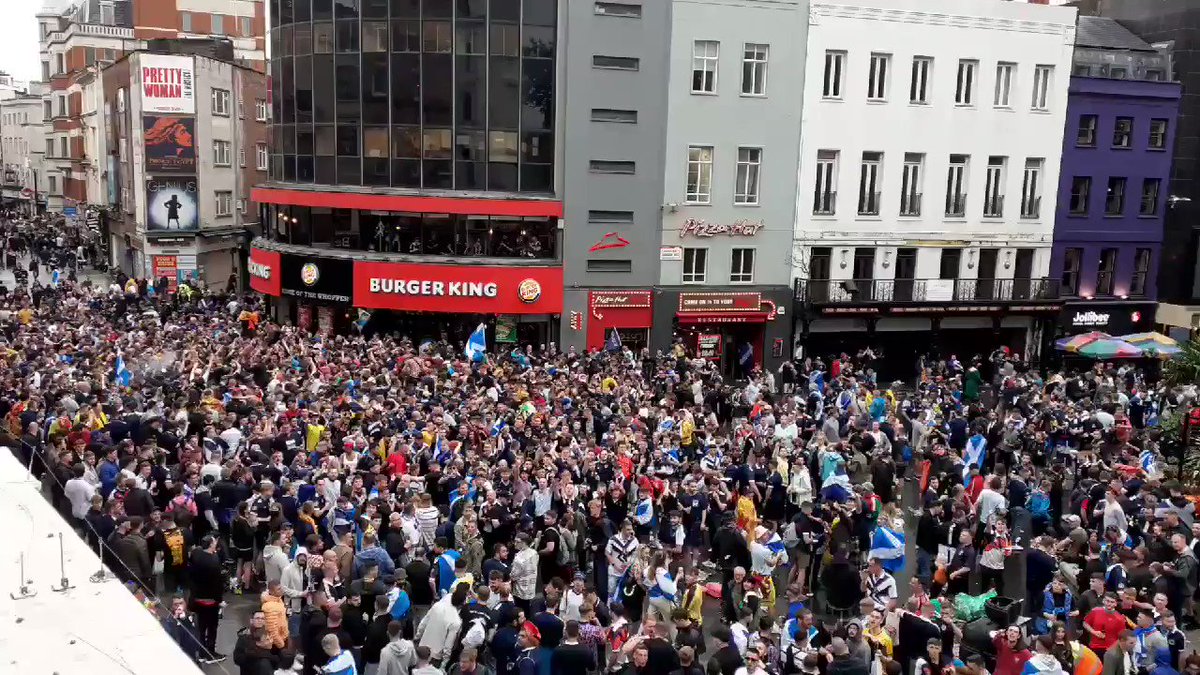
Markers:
458,288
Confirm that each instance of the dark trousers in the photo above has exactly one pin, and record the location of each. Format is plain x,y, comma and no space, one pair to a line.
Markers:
208,617
600,570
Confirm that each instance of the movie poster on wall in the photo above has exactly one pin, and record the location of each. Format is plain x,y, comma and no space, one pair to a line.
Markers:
168,84
171,205
170,142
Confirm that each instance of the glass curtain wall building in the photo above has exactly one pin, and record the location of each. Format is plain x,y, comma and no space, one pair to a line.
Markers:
416,94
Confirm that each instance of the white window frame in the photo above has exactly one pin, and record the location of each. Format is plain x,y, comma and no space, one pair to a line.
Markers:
221,153
910,185
261,110
217,26
224,203
220,102
706,60
870,178
920,84
878,74
1043,76
993,190
185,22
966,82
834,74
241,156
695,265
261,156
825,185
956,186
1031,188
1002,97
699,164
754,68
741,266
748,177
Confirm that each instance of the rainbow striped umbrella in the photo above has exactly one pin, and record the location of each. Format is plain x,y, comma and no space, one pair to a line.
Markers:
1074,344
1110,348
1153,343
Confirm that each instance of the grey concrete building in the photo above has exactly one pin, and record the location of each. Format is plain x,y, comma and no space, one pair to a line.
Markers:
682,133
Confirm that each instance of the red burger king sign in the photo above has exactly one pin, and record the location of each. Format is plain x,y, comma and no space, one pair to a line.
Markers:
458,288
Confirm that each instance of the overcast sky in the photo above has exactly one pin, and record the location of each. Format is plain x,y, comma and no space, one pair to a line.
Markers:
19,39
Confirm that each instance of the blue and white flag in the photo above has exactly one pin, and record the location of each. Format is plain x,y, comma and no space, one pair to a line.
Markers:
613,344
123,376
746,355
974,454
888,546
618,594
497,427
1148,463
441,451
476,344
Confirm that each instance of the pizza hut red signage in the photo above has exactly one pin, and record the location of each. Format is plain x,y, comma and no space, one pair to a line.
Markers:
458,288
620,299
705,303
694,227
263,267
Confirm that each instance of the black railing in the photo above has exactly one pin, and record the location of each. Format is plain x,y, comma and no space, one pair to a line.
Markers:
1031,207
868,203
956,205
993,206
901,291
825,203
910,204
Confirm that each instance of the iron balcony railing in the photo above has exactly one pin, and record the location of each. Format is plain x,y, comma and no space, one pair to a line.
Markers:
956,205
868,203
993,206
902,291
910,204
825,203
1031,207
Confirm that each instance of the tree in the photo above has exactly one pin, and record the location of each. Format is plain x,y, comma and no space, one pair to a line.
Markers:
1184,368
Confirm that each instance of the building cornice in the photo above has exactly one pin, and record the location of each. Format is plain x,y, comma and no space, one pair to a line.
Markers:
819,11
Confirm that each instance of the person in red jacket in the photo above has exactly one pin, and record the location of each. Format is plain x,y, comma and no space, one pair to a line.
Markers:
1104,624
1011,651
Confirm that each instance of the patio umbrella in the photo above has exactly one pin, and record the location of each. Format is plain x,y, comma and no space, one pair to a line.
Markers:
1074,343
1153,343
1110,348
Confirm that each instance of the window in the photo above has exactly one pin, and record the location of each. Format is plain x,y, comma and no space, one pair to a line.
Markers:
1141,271
910,186
877,77
1041,87
918,88
956,186
754,69
613,115
221,153
61,62
705,56
699,174
62,147
749,163
218,24
1081,190
1122,132
825,190
53,184
1158,134
62,106
224,203
1072,258
835,63
1117,73
1108,269
868,184
622,217
619,9
695,265
185,22
1031,188
609,166
245,26
993,194
1114,200
47,110
260,109
1150,189
1085,137
741,267
49,147
1004,77
1154,74
950,263
964,90
241,157
1082,70
261,156
615,62
220,102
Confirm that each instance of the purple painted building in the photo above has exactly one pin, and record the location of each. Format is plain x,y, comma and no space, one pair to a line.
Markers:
1114,184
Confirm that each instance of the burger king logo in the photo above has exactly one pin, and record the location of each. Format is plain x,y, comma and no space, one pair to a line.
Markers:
529,291
309,274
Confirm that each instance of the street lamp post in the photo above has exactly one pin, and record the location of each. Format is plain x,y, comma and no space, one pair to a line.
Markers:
34,210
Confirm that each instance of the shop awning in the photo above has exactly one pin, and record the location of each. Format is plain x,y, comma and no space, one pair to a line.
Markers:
724,317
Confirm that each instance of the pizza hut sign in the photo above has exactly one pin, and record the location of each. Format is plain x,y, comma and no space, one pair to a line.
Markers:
701,228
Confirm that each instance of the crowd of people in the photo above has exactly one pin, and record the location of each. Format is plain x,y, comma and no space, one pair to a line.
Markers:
392,506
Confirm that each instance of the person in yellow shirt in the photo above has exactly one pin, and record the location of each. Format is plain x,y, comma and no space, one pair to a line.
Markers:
25,316
608,384
876,633
313,435
687,432
693,597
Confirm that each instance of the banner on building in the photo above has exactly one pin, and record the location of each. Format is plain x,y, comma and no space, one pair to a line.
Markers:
166,266
506,328
170,142
171,205
168,84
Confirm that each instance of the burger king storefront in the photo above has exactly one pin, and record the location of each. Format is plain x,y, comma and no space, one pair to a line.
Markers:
339,292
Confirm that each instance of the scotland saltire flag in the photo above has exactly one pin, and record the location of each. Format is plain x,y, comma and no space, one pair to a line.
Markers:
441,451
888,546
1148,463
974,454
746,356
497,428
613,344
123,377
476,344
618,593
